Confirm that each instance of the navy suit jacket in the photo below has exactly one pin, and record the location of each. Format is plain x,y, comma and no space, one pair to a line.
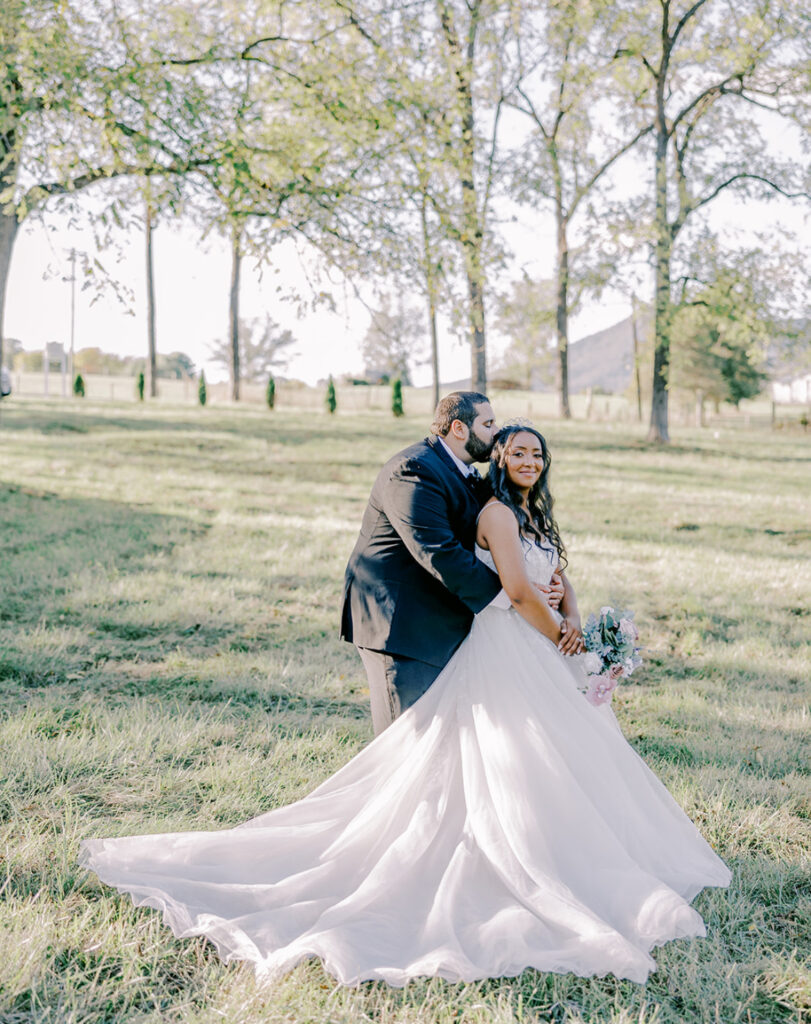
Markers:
413,582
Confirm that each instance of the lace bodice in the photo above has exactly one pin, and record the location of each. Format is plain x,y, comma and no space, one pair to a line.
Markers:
540,561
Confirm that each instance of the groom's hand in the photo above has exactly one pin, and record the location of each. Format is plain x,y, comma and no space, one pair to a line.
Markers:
571,636
553,591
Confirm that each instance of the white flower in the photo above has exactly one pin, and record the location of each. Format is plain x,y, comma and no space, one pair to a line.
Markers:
592,663
606,610
628,666
628,629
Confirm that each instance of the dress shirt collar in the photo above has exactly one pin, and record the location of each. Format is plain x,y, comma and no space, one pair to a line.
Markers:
463,467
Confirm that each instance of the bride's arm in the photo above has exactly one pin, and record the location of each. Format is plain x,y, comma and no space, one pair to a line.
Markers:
498,530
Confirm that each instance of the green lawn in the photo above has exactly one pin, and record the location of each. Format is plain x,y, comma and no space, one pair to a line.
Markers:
169,590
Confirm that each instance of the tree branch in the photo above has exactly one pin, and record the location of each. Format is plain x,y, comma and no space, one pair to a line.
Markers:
696,204
586,187
688,14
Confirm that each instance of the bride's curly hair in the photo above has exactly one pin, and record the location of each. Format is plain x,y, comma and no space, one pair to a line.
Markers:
540,523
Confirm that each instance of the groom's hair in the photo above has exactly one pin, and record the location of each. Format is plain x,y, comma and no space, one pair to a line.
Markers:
458,405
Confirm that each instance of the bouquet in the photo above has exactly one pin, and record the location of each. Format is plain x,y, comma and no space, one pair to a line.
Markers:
612,652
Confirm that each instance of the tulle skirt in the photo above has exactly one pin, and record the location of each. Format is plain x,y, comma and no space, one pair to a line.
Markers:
501,823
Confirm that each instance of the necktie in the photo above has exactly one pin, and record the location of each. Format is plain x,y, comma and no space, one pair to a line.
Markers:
473,481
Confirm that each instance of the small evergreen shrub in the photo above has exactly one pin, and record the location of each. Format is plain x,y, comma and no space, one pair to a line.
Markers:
78,386
140,383
397,397
202,395
331,399
270,392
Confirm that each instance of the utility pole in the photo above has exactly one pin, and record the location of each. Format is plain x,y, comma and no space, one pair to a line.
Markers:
152,352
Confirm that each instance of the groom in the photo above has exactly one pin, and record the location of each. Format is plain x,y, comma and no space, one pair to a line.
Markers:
413,582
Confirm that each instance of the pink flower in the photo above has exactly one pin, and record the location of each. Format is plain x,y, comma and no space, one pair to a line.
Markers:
616,672
628,629
600,689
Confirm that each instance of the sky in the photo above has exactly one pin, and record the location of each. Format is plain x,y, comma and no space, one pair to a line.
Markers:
192,282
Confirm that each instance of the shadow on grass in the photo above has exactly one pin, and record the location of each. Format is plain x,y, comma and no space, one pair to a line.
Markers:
191,689
50,546
87,585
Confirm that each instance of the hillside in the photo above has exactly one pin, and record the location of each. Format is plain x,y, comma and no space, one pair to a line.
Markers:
605,360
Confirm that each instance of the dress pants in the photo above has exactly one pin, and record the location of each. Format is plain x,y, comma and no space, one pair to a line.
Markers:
395,683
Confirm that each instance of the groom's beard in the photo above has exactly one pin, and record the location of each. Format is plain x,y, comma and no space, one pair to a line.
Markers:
477,449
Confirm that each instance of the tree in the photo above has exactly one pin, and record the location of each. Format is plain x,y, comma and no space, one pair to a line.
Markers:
436,143
10,347
330,399
728,309
390,342
202,391
526,316
397,397
261,349
176,365
68,119
270,392
78,386
709,70
140,384
565,86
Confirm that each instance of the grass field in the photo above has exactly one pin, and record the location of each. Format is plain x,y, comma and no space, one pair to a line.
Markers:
169,589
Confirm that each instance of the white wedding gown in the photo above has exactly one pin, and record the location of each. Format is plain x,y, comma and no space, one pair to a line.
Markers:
501,823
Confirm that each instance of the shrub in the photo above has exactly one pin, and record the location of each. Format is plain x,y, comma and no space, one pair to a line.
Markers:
78,386
397,397
139,386
201,389
270,392
331,399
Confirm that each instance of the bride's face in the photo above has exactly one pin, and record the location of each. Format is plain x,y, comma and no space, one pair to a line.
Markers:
524,460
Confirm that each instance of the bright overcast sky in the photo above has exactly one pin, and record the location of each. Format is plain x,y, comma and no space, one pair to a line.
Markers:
192,281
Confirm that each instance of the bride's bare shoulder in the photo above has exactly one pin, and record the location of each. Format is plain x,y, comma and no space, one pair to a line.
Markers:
496,506
495,520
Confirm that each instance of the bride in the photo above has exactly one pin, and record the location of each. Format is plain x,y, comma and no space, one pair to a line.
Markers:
502,822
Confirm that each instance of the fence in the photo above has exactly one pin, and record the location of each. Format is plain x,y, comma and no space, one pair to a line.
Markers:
376,399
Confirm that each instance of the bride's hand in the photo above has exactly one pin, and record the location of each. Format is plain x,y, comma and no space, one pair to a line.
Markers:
553,592
571,637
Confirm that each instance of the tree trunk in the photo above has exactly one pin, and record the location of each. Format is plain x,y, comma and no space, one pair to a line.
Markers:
434,348
236,265
430,290
478,356
472,242
562,317
700,408
8,232
658,430
152,351
472,235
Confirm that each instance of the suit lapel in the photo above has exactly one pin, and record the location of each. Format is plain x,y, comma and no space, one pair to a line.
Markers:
438,449
468,484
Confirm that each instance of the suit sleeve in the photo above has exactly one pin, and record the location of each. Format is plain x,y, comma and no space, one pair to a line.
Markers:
416,505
